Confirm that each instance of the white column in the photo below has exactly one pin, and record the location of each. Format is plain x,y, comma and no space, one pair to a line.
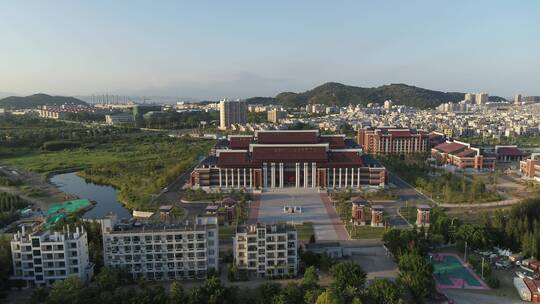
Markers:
334,179
265,175
346,177
219,177
245,179
305,175
297,180
232,177
251,178
238,176
226,177
313,175
352,177
339,177
273,175
358,179
281,175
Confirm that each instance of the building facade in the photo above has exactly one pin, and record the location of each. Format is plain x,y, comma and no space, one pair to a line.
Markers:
232,112
278,159
43,257
119,118
266,250
393,140
530,168
462,155
276,115
162,251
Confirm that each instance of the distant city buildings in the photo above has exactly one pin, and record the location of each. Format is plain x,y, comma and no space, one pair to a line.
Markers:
388,104
518,99
476,98
162,251
60,112
462,155
43,257
386,140
281,158
275,115
266,250
232,112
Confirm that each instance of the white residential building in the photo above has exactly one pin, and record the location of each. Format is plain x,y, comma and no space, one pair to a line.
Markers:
159,251
266,250
232,112
43,257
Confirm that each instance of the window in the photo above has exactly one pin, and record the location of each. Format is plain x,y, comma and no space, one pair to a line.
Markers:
35,242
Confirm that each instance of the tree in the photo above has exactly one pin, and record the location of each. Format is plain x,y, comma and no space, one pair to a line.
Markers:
384,292
66,291
108,279
328,297
416,273
267,292
177,295
348,280
311,296
5,261
311,279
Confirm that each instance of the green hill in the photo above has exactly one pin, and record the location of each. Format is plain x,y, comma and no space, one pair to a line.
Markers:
333,93
36,100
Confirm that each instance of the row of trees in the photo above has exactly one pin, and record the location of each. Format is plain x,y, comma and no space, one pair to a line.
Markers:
347,285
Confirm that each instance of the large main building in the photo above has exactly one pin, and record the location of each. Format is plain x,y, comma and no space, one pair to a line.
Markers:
277,159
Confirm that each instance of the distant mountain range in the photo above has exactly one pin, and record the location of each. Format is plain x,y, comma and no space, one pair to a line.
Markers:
36,100
333,93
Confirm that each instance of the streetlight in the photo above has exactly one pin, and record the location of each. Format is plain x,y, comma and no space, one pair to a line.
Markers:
465,255
482,268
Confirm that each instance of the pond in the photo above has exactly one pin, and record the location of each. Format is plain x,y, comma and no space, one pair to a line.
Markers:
105,196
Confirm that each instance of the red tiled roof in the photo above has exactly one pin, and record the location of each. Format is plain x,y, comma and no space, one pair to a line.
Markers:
467,153
239,142
233,159
335,142
287,137
450,147
345,158
289,154
510,151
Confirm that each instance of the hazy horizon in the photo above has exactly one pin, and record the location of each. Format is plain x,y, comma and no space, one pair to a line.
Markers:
209,50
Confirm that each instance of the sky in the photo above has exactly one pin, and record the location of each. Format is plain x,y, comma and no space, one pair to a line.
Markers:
213,49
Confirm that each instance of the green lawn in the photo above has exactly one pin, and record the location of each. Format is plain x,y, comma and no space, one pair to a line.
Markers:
365,232
409,213
305,231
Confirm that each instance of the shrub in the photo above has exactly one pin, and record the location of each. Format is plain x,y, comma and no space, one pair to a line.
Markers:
493,282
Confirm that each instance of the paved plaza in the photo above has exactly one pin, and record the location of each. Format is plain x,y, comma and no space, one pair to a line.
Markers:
316,208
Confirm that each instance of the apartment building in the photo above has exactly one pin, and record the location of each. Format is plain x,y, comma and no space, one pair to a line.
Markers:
43,257
275,115
160,251
265,250
393,140
530,168
232,112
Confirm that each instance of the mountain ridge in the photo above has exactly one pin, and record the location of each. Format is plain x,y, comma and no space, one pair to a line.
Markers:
36,100
334,93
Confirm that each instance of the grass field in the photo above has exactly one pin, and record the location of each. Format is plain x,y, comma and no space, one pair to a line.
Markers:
409,213
305,231
365,232
139,164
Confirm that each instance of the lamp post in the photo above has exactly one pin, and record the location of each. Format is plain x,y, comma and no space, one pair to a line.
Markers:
482,268
465,254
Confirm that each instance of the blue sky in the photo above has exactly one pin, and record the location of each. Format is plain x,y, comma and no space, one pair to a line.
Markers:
213,49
